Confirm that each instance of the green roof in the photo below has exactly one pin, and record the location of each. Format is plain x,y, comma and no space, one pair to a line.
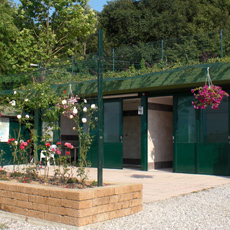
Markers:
179,78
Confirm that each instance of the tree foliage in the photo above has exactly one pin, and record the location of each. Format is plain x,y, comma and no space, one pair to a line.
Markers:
42,31
8,32
56,25
128,22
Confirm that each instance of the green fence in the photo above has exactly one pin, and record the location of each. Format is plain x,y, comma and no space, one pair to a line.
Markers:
122,62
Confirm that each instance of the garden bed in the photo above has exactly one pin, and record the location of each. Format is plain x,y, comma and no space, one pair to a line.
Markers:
71,206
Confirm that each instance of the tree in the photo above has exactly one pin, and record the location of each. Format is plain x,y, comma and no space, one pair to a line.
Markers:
120,20
56,26
128,22
8,31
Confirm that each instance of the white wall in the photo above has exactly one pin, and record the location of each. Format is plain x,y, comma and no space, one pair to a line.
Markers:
160,132
132,137
131,130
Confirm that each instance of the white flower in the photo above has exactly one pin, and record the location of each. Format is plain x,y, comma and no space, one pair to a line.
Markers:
64,102
21,141
26,99
84,109
75,110
19,116
13,102
71,116
15,92
93,106
16,143
84,120
96,118
27,116
85,101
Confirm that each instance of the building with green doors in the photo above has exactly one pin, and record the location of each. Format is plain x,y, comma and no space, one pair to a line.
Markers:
150,122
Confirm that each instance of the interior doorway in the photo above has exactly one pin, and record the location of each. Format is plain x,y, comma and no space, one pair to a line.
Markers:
131,133
160,132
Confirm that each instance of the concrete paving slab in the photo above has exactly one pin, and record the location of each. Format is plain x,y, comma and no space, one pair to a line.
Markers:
161,184
157,184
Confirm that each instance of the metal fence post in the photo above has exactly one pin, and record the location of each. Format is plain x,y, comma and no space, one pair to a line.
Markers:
162,47
100,110
113,60
221,43
72,65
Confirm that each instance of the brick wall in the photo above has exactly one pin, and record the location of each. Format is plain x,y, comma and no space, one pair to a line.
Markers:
71,206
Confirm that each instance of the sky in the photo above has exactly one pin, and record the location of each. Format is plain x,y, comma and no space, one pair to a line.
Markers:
95,4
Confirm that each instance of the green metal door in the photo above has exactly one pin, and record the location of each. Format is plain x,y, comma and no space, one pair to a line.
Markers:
201,138
113,130
184,135
213,147
113,146
14,127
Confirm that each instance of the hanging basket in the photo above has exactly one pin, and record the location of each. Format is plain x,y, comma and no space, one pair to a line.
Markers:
208,94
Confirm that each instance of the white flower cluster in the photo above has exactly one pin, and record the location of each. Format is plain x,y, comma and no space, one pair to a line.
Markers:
19,116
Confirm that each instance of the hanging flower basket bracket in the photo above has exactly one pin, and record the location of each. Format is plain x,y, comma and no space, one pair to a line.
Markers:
208,80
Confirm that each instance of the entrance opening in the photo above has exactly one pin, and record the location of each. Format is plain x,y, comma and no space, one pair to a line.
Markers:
160,132
131,133
69,135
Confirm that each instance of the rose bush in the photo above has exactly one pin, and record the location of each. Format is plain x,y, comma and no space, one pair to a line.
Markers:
38,99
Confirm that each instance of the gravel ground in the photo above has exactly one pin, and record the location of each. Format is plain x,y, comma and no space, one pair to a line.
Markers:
207,209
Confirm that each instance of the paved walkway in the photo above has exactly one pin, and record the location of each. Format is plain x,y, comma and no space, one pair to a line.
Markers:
157,184
161,184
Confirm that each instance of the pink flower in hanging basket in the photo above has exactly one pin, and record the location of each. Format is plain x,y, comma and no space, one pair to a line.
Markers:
208,95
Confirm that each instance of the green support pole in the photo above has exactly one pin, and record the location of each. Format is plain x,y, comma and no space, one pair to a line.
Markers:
113,60
174,138
36,126
72,65
198,115
221,43
162,48
144,133
100,111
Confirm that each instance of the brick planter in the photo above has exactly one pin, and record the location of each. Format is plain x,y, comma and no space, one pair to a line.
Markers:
71,206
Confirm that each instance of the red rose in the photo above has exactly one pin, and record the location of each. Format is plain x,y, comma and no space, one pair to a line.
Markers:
67,153
58,143
47,144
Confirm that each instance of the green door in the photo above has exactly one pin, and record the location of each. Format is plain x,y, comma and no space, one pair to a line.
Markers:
113,146
201,138
213,147
184,135
113,130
